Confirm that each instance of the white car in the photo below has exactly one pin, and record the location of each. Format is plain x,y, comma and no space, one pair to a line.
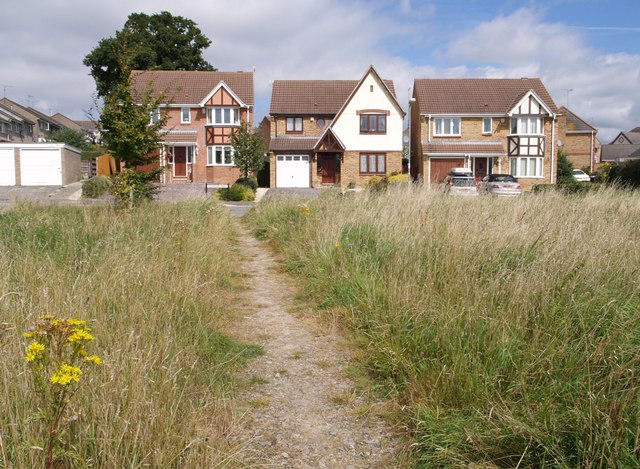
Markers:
580,176
460,181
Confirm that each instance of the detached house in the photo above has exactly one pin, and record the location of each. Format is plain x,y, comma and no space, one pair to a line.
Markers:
334,132
578,139
486,125
203,109
626,146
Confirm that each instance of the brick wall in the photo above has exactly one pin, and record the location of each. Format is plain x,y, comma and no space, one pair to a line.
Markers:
310,128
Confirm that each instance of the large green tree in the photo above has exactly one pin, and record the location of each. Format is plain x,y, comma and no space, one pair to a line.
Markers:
248,148
147,42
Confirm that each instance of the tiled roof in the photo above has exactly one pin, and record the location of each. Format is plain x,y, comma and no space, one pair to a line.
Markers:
191,87
575,123
292,143
180,136
466,148
476,95
316,97
613,152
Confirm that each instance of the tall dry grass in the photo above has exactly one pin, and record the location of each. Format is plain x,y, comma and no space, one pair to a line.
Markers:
154,284
509,327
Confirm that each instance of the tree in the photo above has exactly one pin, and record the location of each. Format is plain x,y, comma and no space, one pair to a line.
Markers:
565,168
130,133
248,148
75,138
156,42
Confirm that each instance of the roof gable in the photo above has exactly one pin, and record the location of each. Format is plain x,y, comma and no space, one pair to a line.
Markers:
530,104
329,141
476,96
314,97
187,87
222,95
575,123
381,83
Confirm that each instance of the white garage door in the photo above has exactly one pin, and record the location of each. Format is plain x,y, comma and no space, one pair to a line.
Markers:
7,167
292,171
41,167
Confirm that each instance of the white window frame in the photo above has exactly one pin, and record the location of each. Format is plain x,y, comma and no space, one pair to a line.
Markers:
524,166
486,131
212,153
522,126
155,116
182,115
227,116
447,127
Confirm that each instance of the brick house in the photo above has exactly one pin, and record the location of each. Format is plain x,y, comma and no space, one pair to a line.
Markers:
203,109
578,140
13,127
486,125
40,125
626,146
334,132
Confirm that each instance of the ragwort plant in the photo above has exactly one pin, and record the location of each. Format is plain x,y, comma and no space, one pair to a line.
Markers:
57,357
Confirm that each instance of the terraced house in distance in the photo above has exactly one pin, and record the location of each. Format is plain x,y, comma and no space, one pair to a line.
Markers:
334,132
203,109
486,125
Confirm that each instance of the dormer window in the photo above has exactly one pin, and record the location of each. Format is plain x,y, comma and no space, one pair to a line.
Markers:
526,126
447,127
223,116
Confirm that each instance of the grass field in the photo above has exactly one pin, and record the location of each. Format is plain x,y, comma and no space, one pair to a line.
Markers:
508,328
155,286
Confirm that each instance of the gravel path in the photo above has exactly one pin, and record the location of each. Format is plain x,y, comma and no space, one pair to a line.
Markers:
300,409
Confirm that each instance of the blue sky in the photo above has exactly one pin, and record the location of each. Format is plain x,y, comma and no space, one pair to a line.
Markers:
591,47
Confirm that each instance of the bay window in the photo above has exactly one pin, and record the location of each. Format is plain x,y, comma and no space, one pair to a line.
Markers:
220,156
526,126
526,167
223,116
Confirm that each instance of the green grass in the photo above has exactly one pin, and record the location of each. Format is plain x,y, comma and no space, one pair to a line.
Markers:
156,285
509,328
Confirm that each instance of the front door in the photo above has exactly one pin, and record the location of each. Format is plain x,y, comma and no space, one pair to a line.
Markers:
180,161
480,168
328,169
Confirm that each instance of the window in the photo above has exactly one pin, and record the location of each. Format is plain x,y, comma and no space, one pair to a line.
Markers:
447,126
487,125
223,116
185,115
294,124
526,125
220,156
526,167
155,116
372,163
373,124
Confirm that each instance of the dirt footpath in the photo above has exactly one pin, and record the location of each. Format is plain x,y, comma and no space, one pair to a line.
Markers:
300,409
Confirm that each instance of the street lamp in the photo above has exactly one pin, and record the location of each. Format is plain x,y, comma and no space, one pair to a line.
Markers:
569,90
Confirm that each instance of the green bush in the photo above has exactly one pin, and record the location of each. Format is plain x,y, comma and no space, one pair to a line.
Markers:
237,193
377,184
95,187
398,178
134,183
249,182
626,174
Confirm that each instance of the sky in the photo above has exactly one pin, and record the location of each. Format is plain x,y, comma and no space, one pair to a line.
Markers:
587,52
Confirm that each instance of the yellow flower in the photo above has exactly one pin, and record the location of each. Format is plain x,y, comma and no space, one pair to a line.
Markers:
79,335
34,351
93,359
29,335
76,322
66,374
336,245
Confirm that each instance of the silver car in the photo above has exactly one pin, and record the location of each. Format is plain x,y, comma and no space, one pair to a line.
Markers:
500,184
459,182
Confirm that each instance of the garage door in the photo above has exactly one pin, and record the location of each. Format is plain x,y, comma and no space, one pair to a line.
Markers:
441,166
41,167
292,171
7,167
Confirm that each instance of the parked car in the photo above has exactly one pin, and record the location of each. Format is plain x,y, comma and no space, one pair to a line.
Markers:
595,177
580,176
460,181
500,184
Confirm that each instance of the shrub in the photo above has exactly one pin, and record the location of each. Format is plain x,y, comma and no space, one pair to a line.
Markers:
377,184
626,174
249,182
134,183
237,193
95,187
398,178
